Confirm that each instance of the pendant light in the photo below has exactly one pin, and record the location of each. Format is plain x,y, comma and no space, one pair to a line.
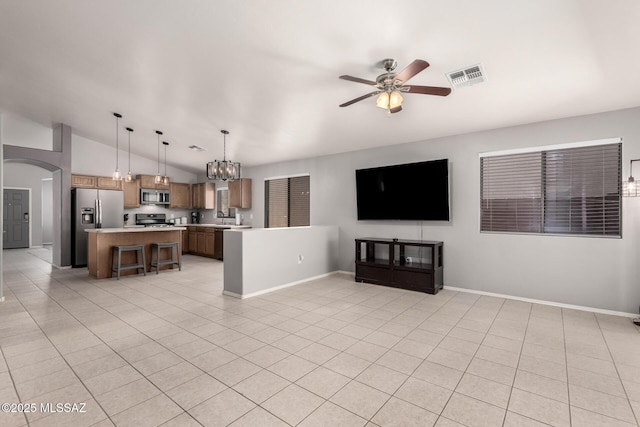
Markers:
116,174
158,179
129,177
630,186
165,178
223,170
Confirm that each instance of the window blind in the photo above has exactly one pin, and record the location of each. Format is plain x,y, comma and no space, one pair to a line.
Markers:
287,202
299,201
573,191
277,191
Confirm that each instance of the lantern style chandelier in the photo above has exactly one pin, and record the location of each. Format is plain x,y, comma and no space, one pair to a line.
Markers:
224,170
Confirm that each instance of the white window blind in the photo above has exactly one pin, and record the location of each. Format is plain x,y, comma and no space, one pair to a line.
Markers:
287,202
574,191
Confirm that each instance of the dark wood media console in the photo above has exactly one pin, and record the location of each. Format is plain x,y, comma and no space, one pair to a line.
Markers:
388,262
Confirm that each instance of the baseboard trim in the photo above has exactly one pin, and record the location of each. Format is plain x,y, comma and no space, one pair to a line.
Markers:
276,288
543,302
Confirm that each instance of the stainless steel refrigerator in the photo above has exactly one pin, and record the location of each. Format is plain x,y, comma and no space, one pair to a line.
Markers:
91,208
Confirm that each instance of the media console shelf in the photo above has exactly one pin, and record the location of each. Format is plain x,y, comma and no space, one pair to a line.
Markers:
408,264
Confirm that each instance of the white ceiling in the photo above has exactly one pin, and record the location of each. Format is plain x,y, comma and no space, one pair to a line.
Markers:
268,70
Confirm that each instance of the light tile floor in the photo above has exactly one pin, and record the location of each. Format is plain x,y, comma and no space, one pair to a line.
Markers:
171,350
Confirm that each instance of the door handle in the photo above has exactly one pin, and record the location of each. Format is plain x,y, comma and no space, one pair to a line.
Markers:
26,216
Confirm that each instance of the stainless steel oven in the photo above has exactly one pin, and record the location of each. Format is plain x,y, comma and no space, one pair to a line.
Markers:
150,196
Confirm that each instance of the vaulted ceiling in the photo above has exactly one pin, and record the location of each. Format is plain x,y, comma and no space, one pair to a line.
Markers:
268,70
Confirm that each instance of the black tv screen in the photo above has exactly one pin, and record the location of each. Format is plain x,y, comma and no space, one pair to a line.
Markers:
412,191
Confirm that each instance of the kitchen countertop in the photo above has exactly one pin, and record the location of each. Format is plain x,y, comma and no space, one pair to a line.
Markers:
133,229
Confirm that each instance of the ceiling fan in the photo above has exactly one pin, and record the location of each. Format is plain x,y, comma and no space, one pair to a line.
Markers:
389,85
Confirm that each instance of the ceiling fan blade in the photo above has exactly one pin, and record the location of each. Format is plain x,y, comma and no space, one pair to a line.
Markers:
357,80
428,90
353,101
412,69
396,109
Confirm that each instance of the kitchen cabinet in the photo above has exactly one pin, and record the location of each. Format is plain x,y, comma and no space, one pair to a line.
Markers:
218,244
203,195
209,242
131,194
193,240
185,242
240,193
84,181
203,241
149,181
92,181
107,183
180,195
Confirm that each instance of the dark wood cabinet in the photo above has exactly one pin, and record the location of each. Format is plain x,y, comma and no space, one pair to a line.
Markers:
240,193
131,192
205,241
219,244
180,195
415,265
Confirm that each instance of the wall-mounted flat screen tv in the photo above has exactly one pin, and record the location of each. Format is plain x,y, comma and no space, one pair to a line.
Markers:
412,191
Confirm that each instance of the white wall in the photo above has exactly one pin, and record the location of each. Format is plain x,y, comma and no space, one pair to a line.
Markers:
593,272
259,260
23,132
47,211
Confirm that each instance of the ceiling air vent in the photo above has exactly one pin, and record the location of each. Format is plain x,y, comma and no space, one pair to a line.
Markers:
467,76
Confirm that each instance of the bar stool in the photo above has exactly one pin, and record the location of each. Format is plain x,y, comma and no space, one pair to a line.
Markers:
156,262
116,263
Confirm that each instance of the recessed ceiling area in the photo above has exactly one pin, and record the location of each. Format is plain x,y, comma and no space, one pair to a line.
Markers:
268,71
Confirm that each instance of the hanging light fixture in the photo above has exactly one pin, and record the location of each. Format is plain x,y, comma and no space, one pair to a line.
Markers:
165,178
129,177
223,170
158,179
116,174
630,186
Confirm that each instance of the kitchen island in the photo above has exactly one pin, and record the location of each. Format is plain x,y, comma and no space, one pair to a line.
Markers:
102,240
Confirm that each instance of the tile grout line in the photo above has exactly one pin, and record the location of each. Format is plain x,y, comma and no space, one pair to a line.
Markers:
615,365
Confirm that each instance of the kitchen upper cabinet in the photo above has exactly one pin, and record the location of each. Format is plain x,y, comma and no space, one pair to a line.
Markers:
240,193
131,194
84,181
149,181
203,195
180,195
91,181
107,183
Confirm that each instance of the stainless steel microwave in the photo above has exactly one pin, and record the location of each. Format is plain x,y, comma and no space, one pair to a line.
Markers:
150,196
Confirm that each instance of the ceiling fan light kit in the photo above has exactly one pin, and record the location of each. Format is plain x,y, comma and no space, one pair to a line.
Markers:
389,85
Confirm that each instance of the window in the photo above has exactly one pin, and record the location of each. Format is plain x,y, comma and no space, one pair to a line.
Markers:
224,211
287,202
574,191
